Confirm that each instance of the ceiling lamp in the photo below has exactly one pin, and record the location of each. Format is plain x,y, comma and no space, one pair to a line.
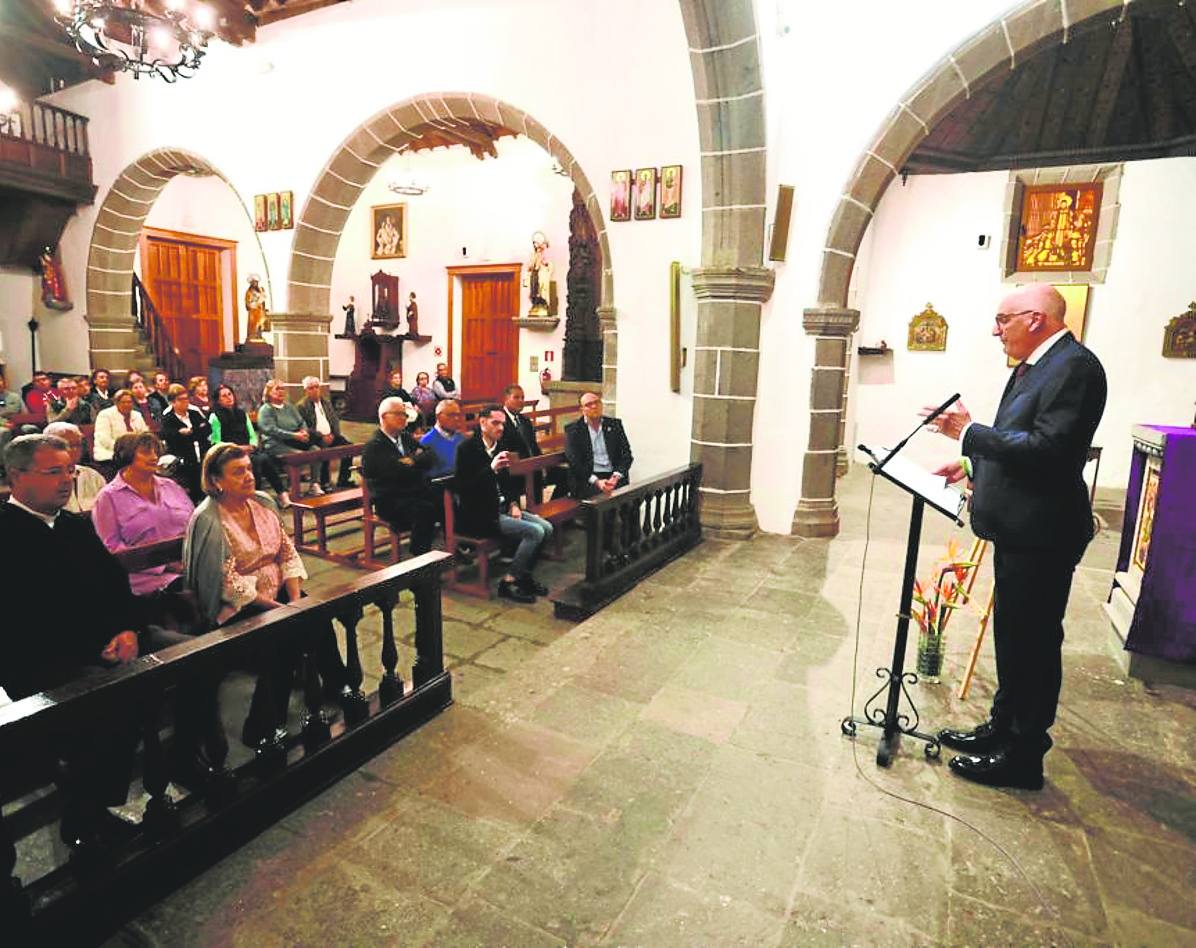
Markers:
164,38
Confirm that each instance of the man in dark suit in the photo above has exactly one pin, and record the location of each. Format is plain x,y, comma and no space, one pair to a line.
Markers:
597,449
1030,500
488,498
80,633
395,469
315,408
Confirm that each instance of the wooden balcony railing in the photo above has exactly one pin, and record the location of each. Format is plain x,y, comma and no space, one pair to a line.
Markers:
46,139
70,905
153,330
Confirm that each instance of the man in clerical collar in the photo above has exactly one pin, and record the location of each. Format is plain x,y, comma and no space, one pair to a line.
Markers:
597,449
395,469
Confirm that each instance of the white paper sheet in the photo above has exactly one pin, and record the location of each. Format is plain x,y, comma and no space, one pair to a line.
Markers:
931,487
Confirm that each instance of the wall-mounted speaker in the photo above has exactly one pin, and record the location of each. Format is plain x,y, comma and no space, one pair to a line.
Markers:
780,225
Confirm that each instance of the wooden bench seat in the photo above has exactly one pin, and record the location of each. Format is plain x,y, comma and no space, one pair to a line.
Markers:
370,524
346,501
479,548
557,511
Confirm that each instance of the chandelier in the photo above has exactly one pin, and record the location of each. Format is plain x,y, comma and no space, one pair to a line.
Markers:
164,38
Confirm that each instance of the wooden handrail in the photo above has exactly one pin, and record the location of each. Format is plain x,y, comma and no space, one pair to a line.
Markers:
49,126
166,353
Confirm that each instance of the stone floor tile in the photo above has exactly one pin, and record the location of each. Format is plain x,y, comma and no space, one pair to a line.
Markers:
506,654
536,625
586,715
696,713
1134,928
845,920
727,669
971,922
465,641
470,679
476,923
1145,876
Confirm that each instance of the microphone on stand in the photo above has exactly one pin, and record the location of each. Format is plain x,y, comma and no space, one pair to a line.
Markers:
922,424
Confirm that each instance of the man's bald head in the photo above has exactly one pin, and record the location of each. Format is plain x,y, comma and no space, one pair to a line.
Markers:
1027,317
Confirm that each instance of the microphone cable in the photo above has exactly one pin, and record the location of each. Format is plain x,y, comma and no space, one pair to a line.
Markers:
859,611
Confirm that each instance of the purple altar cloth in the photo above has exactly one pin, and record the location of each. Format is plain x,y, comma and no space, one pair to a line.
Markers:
1164,624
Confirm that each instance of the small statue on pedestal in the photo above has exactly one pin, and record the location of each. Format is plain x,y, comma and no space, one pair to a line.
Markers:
255,309
350,318
539,276
412,315
53,283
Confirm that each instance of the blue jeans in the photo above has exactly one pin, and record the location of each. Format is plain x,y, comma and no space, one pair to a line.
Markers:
531,531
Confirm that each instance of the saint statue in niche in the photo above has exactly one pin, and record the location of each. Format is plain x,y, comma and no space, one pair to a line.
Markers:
412,315
255,310
53,282
350,309
539,276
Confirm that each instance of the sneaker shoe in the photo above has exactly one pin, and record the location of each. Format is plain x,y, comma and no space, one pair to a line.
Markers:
315,490
511,590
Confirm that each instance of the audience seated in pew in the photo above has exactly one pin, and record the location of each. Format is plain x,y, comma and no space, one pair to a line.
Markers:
488,498
315,408
112,422
100,395
197,389
10,404
142,403
231,423
445,437
41,395
396,468
597,449
394,387
186,432
283,430
70,407
88,482
158,394
423,397
443,385
239,562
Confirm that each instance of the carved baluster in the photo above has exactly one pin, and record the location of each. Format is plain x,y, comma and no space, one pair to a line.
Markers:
316,730
353,700
270,751
429,638
615,540
14,907
390,688
595,541
161,815
657,519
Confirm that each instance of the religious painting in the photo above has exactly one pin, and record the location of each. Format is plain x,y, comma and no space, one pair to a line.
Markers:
1179,338
1057,227
1150,502
645,194
927,332
259,212
620,195
1075,295
272,221
670,191
388,236
286,210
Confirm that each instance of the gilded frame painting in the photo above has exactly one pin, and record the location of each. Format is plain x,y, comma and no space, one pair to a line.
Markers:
620,195
286,210
259,213
1057,227
670,192
645,194
927,332
388,231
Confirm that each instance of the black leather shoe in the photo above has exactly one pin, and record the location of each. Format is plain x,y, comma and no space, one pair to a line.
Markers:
982,739
529,584
512,591
1000,769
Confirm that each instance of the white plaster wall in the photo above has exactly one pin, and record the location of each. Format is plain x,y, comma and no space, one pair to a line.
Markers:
490,208
611,81
209,207
16,303
924,249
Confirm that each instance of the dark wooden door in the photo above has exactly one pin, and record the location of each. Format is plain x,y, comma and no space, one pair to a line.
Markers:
489,333
186,282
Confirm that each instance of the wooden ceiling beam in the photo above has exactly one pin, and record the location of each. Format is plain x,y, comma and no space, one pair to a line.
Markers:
1114,74
1087,79
273,12
1159,107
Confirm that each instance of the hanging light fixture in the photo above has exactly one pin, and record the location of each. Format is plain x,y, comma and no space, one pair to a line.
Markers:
165,38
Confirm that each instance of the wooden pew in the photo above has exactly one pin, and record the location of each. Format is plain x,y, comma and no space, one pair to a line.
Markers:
147,555
557,511
347,501
480,549
370,524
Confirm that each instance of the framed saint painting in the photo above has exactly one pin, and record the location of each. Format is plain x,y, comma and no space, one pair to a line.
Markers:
1057,227
670,191
259,212
272,221
286,209
620,195
645,194
388,236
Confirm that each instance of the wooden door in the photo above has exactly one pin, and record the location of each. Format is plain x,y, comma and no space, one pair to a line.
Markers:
185,279
489,333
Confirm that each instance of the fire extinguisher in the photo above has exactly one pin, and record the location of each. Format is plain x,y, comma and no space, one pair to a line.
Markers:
546,376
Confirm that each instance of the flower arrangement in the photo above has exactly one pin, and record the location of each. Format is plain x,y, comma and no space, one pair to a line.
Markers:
954,576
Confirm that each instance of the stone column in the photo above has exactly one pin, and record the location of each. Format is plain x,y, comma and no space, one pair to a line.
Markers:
817,513
610,358
727,356
841,453
300,348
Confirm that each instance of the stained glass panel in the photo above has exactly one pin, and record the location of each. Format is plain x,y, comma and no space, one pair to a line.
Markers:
1058,227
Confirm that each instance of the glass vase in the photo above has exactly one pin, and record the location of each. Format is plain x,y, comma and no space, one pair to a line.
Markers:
930,655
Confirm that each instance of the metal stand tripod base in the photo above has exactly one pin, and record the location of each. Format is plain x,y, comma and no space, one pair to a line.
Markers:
890,739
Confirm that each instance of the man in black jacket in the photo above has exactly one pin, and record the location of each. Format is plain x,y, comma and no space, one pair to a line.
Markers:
315,408
489,504
597,449
1030,500
395,469
84,631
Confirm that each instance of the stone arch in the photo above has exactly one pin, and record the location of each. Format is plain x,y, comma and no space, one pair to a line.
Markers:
113,337
732,284
1001,44
320,224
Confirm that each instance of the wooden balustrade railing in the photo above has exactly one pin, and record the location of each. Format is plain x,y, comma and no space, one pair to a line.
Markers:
177,840
153,327
631,533
46,138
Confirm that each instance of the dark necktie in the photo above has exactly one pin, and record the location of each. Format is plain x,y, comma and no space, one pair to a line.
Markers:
1022,369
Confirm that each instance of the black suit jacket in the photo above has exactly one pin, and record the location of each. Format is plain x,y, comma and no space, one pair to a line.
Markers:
66,597
481,493
1028,488
580,453
390,480
519,436
191,448
307,411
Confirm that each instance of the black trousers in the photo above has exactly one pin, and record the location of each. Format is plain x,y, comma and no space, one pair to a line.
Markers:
266,468
1032,588
418,513
345,465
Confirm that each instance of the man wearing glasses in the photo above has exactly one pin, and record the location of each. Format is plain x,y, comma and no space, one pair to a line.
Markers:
1030,500
395,468
597,450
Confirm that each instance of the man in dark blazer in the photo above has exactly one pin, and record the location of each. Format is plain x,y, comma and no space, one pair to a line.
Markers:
395,469
315,408
488,502
1030,500
597,449
77,634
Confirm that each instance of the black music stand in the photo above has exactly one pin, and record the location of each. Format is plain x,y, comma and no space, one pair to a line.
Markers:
926,491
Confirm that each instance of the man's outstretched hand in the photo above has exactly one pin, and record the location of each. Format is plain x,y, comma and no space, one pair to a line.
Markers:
954,472
951,422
